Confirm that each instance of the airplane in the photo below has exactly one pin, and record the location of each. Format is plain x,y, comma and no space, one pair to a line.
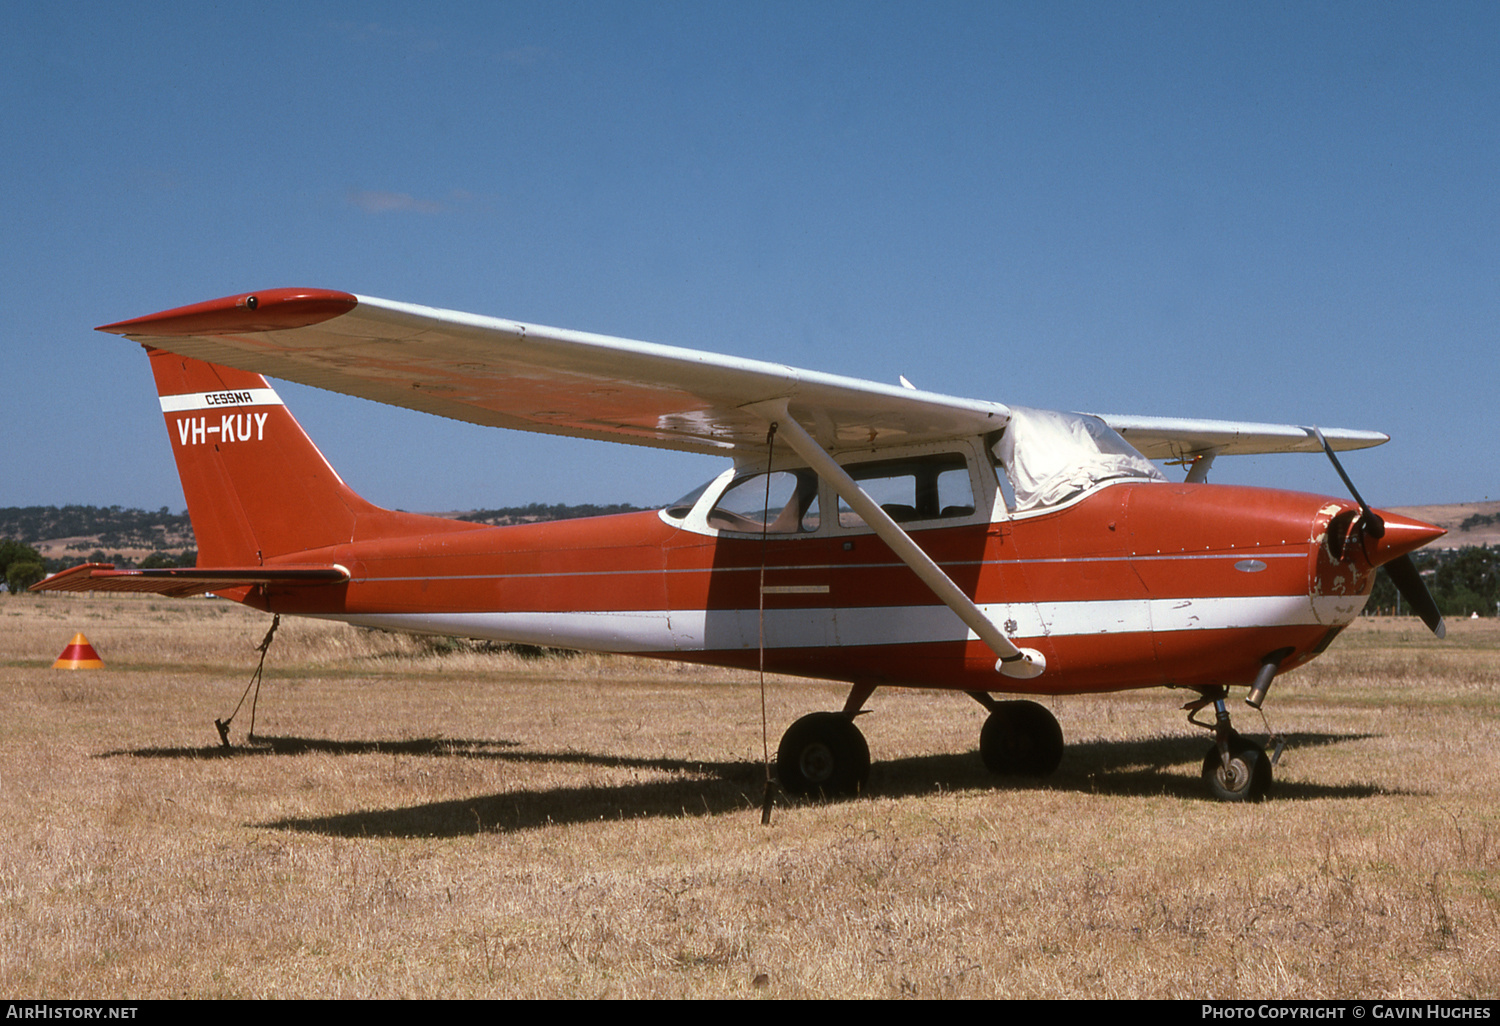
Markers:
877,535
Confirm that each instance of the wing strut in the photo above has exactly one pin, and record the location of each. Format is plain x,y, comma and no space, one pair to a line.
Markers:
1020,663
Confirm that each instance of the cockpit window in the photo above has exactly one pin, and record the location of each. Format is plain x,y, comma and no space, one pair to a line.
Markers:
790,508
679,509
1051,457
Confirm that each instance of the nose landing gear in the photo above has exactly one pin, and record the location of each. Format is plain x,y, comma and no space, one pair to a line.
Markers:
1235,769
1243,776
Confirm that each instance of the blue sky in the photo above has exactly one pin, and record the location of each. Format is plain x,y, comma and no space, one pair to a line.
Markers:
1252,211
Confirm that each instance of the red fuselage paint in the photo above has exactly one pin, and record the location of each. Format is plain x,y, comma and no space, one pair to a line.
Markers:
1127,568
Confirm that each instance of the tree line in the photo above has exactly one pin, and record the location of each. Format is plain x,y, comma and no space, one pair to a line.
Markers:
113,526
1462,581
537,512
1479,520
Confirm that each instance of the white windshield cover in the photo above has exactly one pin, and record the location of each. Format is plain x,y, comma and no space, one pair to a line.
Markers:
1051,456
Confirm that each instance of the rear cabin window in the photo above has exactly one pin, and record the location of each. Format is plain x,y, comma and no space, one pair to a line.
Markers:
916,488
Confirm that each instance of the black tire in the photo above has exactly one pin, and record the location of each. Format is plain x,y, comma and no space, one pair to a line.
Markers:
823,755
1021,739
1248,778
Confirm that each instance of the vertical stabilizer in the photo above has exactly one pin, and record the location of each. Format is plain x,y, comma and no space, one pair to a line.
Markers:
255,484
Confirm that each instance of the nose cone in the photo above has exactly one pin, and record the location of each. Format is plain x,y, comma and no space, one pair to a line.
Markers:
1401,535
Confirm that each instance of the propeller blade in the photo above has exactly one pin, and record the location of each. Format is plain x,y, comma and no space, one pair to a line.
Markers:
1408,581
1371,521
1404,573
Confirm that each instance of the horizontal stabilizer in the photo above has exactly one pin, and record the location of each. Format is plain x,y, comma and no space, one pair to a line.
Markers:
180,582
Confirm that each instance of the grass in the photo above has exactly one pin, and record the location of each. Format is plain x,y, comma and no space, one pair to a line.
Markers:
423,823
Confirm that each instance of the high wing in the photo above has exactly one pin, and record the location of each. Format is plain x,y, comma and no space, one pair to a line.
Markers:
534,378
1161,438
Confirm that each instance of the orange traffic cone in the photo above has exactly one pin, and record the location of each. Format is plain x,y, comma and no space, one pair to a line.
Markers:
79,655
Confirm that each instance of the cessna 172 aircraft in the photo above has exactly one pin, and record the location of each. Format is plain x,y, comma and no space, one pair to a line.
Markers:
873,534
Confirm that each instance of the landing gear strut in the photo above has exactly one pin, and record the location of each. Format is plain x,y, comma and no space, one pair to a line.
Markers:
1235,769
1019,738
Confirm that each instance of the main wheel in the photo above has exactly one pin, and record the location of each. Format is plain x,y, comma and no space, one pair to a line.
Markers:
823,755
1021,739
1246,779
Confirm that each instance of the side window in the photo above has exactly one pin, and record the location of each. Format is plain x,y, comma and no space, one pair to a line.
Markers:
792,507
918,488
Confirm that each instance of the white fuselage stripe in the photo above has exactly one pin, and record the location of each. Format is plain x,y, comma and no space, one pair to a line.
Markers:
731,629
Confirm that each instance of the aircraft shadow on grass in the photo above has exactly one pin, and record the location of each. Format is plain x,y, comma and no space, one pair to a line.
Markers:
1135,768
258,746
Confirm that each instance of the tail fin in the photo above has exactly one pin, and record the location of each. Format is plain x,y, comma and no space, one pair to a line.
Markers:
255,484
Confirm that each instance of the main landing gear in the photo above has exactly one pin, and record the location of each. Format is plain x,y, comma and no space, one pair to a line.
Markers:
1235,769
824,755
1019,738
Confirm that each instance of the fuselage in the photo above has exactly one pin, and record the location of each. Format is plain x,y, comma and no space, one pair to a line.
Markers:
1134,585
1052,536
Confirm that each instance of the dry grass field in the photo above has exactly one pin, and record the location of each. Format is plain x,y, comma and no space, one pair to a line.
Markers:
424,824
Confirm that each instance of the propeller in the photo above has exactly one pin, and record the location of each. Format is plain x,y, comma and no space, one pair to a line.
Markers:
1404,573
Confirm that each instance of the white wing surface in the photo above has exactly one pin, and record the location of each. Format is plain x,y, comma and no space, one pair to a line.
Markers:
534,378
1173,437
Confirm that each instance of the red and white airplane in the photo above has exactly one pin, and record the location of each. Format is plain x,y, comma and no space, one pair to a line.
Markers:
873,534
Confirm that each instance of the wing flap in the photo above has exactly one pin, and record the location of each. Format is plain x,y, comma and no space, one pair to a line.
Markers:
182,582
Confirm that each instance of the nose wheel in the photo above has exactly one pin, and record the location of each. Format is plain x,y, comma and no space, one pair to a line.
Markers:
1235,769
1244,777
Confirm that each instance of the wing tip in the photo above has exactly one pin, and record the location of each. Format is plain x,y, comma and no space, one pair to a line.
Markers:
268,310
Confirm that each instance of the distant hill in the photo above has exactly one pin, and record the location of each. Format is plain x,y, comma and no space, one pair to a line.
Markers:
67,535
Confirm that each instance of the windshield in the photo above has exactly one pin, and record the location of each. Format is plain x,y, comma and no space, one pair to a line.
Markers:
1051,456
679,509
